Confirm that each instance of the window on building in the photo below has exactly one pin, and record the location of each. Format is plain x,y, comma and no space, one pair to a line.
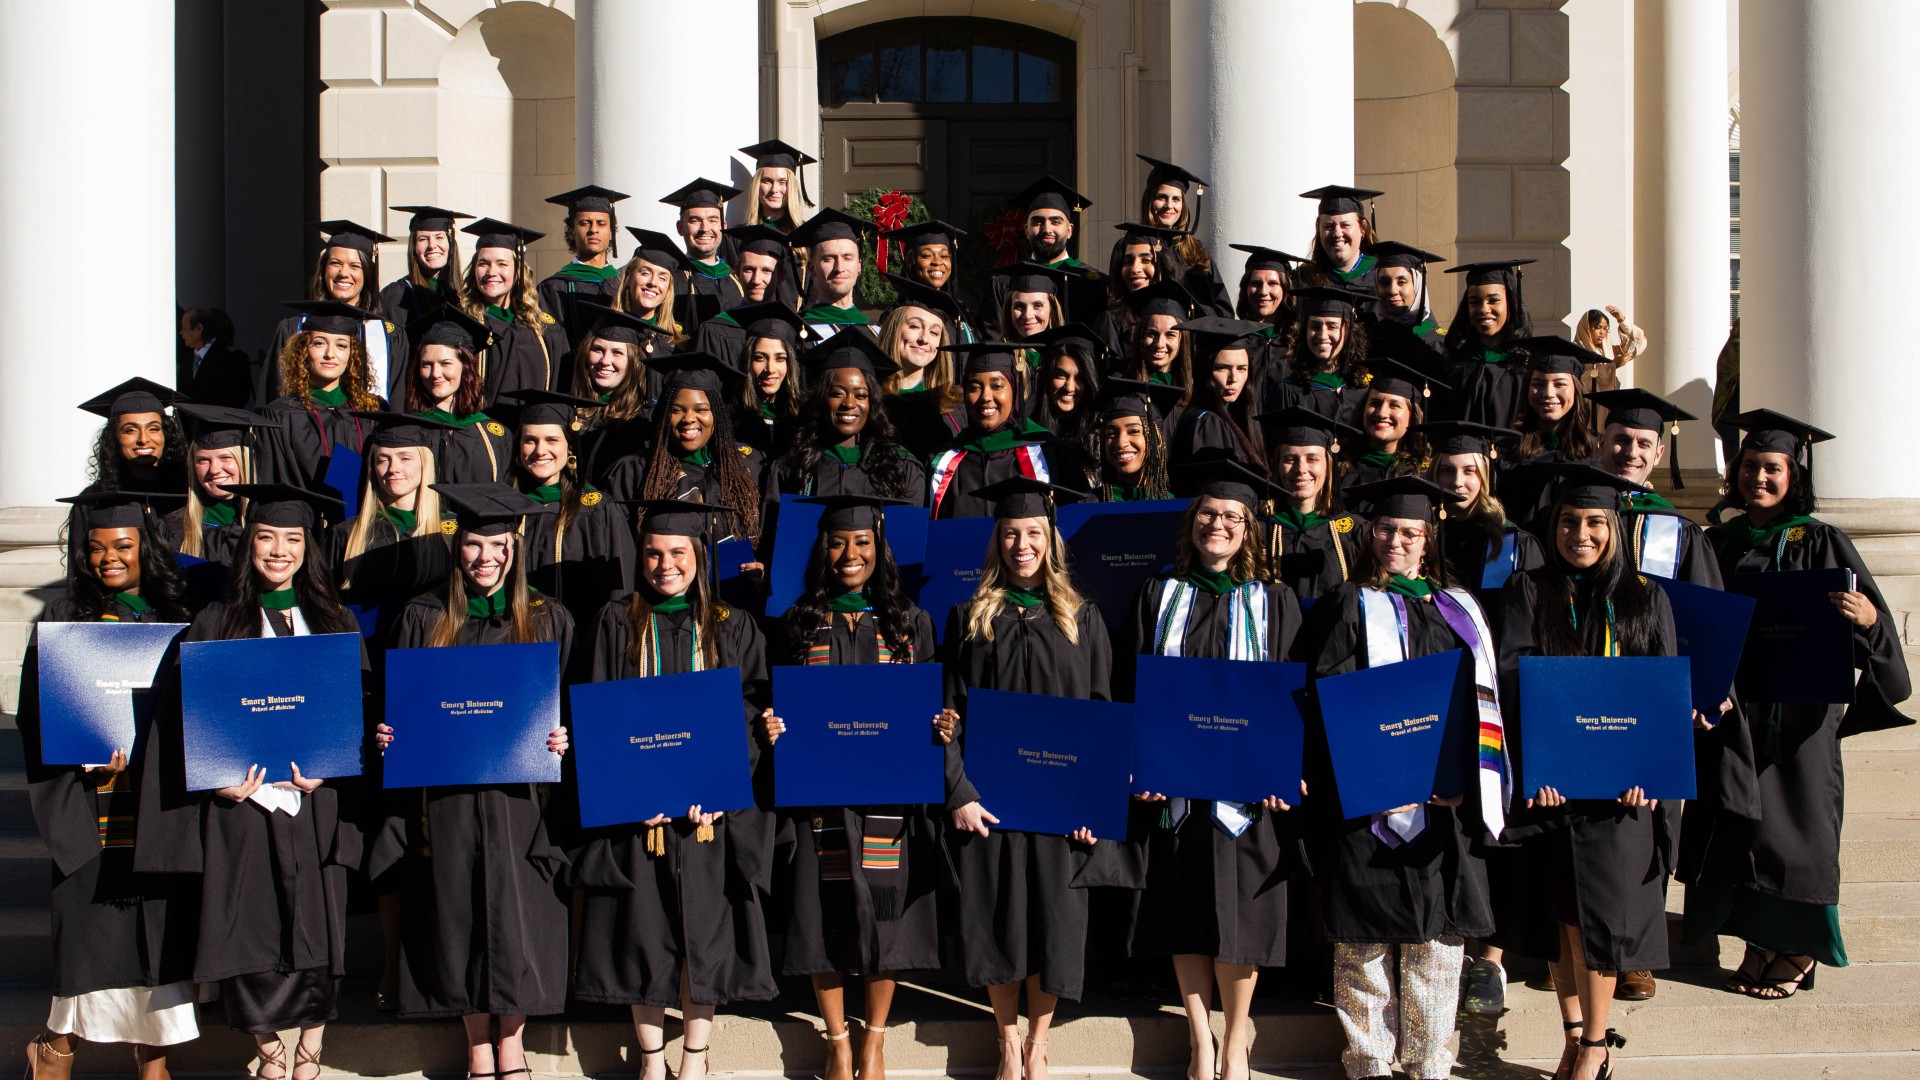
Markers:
942,61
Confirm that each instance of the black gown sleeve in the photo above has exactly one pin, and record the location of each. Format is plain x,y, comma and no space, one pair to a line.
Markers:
957,676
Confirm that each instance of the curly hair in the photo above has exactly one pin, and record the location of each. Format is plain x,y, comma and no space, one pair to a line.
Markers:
809,615
297,381
1352,353
613,234
313,586
737,489
162,585
107,470
522,299
882,457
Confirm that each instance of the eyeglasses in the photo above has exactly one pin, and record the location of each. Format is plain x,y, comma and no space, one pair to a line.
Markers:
1383,531
1231,520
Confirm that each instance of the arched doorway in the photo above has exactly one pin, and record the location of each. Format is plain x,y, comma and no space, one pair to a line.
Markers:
958,112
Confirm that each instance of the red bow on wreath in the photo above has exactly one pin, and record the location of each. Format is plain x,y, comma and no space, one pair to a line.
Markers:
1003,236
889,214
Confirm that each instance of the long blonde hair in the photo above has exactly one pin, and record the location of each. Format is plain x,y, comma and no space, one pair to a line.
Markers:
526,628
523,299
938,378
297,382
426,513
663,316
194,516
796,211
990,597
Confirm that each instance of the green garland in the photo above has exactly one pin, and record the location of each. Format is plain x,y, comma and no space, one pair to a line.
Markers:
873,290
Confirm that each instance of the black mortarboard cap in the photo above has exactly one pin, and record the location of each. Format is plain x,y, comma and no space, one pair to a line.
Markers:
849,512
591,199
136,395
1225,478
853,347
914,294
774,154
430,218
350,234
1051,193
1073,333
701,192
984,356
489,509
1299,426
1583,487
402,429
1025,497
1131,397
494,233
1636,408
659,249
1166,172
1166,297
1557,355
609,324
284,506
1390,376
1411,497
1492,272
1266,258
678,517
117,509
770,319
934,231
331,316
1157,235
1769,432
830,224
448,325
1464,437
1330,300
1395,253
1216,332
693,370
217,427
1339,199
547,407
1033,277
758,239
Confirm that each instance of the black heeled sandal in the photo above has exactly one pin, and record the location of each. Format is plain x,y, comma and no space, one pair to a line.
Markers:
1571,1052
1611,1040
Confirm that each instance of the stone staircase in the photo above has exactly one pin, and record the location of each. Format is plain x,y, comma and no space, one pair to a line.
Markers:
1861,1021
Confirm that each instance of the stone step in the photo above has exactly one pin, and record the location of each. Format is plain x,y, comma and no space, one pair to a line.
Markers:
1880,847
24,874
25,605
27,526
1882,781
31,567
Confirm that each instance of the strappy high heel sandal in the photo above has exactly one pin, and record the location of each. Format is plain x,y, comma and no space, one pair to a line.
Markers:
844,1039
301,1056
1611,1040
278,1059
873,1054
1572,1051
655,1052
42,1056
1770,987
1031,1047
1010,1051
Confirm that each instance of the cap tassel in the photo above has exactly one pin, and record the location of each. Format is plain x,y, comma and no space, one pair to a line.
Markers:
1673,455
800,174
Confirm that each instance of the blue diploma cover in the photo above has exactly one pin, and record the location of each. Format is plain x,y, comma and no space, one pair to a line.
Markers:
1048,764
799,528
271,702
1712,629
955,547
472,714
858,735
659,745
1218,729
1113,547
94,678
342,479
1800,648
1593,726
1386,729
741,592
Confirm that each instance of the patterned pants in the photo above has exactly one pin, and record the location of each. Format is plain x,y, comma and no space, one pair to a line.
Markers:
1398,1003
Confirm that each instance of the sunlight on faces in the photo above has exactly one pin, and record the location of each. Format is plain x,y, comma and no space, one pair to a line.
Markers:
1022,543
1340,236
1159,341
396,471
1582,537
756,275
141,437
1300,471
1632,453
700,228
344,273
543,451
276,554
989,400
668,564
1030,311
933,264
849,400
1325,335
439,371
592,233
493,273
1487,309
1123,444
1764,479
113,557
430,248
213,470
1229,373
485,561
608,363
647,288
767,366
773,183
1550,394
1267,290
327,358
1386,417
1168,203
833,266
1398,287
852,553
922,332
1219,530
1399,544
690,419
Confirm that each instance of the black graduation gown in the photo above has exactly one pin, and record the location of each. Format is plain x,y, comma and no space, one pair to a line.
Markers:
1355,471
582,564
1491,392
1595,863
1369,892
723,337
693,481
522,358
830,477
305,442
479,451
1528,499
1290,391
1207,893
1313,561
1086,294
1201,434
1787,757
559,293
273,887
482,929
703,904
1208,291
267,384
920,425
718,294
1022,911
391,571
218,543
112,927
834,925
402,301
977,469
604,445
1469,549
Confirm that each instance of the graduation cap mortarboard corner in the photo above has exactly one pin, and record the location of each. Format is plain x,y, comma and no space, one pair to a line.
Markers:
1158,235
1051,193
1296,425
547,407
1340,199
701,192
1548,353
694,370
933,231
1166,172
118,509
590,199
1330,301
1217,332
1581,486
331,316
611,324
980,357
494,233
1031,277
1390,376
758,240
830,224
1130,397
283,506
1025,497
1770,432
1166,297
1395,253
402,429
846,513
220,427
853,348
489,509
659,249
775,154
342,233
769,319
1266,258
1643,410
1502,272
677,517
914,294
136,395
450,326
1225,478
1073,333
430,218
1410,497
1464,437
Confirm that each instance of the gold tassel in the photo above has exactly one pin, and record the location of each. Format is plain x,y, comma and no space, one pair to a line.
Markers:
703,834
657,840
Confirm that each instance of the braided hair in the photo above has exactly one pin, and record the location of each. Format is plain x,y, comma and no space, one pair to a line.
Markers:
729,471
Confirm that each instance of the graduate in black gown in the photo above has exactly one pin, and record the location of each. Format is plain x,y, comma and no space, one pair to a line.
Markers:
1483,548
1128,441
1053,213
528,347
1073,362
695,453
433,266
446,386
226,446
702,224
394,549
1221,416
347,274
1314,544
325,377
1265,295
1143,256
1342,233
1555,425
273,859
1402,889
1487,373
1317,370
1662,541
123,941
1765,861
1215,897
1171,200
999,442
876,915
592,232
1151,348
582,554
140,448
1593,872
931,253
674,912
1023,918
1387,411
845,444
923,398
832,241
1401,316
653,288
483,932
610,367
768,351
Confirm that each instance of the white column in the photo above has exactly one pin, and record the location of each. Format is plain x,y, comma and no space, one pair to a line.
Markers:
632,137
1827,157
83,153
1680,220
1233,62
